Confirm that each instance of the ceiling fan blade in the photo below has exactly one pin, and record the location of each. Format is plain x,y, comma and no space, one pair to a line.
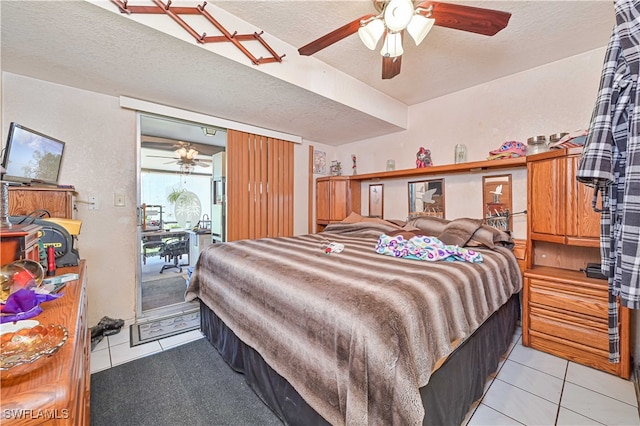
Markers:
160,156
391,67
332,37
467,18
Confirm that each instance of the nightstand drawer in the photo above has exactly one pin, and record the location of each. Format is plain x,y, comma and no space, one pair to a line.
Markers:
580,329
567,297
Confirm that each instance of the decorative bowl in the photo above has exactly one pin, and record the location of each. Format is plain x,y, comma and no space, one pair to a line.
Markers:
32,266
27,349
19,274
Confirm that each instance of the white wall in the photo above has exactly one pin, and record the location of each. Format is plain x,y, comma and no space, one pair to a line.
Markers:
549,99
99,160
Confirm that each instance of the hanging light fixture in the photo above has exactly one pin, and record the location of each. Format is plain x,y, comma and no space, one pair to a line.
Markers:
392,45
397,16
371,32
419,27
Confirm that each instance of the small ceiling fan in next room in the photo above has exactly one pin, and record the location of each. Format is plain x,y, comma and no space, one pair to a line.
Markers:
396,16
186,157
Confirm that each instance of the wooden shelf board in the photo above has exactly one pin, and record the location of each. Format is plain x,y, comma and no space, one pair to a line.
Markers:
471,167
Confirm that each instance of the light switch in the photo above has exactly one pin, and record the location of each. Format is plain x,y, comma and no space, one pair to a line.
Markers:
118,199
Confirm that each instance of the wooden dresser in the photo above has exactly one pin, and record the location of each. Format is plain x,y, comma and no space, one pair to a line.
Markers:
336,198
26,199
564,312
58,391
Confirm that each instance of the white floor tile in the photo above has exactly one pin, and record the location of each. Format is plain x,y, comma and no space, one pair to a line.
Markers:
542,361
123,352
104,344
532,380
100,360
601,382
569,418
519,405
180,339
598,407
470,413
485,415
119,338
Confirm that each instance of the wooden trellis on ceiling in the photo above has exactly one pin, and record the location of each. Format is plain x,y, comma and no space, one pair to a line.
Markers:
174,12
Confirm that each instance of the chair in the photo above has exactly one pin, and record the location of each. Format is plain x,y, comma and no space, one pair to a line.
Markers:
173,250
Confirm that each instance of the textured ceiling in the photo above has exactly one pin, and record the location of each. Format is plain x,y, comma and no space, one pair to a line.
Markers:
78,44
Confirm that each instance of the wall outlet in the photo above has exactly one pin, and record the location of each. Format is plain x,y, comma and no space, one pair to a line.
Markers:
93,203
118,199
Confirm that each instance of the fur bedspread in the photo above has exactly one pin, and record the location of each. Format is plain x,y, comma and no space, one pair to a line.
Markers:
355,333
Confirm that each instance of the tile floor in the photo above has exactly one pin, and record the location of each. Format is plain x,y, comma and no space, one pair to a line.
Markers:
529,388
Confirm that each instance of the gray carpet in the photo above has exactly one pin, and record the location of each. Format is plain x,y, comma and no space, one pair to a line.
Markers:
163,292
187,385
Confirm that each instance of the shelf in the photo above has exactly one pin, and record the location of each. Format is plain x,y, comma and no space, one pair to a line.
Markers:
471,167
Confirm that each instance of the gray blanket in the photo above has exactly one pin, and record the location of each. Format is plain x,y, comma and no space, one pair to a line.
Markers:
355,333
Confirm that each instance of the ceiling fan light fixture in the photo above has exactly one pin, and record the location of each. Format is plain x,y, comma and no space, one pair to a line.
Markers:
419,27
392,45
191,153
371,32
182,152
398,14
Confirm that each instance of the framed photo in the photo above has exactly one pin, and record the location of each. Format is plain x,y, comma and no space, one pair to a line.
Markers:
319,162
496,201
376,200
426,198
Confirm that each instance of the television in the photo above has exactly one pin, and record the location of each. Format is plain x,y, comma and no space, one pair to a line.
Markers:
31,157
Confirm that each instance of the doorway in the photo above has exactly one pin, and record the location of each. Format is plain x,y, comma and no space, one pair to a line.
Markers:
175,194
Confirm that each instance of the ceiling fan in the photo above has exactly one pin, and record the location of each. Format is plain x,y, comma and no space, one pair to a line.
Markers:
396,16
186,157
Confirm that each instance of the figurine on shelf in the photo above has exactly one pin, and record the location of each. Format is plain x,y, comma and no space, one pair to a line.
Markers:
353,167
336,168
423,158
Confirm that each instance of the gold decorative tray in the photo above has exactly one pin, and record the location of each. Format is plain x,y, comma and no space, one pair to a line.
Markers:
27,349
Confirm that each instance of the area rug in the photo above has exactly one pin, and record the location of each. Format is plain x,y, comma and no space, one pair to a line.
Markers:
163,292
149,331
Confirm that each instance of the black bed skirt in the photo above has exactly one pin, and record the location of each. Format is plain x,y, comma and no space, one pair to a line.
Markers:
446,399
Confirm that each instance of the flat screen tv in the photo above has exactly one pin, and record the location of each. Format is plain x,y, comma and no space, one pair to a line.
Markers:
31,157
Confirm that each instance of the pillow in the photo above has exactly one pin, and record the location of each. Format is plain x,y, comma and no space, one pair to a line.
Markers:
459,231
489,236
431,226
352,218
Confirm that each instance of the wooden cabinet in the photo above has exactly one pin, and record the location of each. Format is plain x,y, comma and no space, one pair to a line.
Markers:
26,199
58,391
562,210
336,198
19,242
564,312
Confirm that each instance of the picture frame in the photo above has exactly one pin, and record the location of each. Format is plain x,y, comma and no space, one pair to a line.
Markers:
319,162
497,201
376,200
426,198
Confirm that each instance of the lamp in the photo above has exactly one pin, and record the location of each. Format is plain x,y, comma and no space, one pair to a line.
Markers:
419,27
208,131
397,16
392,45
371,32
191,154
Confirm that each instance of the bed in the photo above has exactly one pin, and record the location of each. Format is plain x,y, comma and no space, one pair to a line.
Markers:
358,337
